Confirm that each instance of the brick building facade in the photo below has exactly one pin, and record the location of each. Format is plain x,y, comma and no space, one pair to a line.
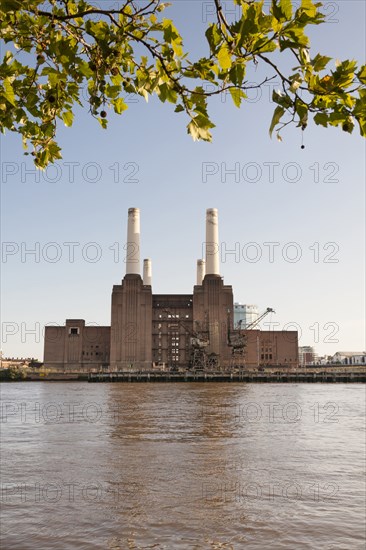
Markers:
160,330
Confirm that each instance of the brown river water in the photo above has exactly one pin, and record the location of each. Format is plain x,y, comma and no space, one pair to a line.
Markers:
182,466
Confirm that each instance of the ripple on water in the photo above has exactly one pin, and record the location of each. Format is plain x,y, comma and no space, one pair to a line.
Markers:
191,466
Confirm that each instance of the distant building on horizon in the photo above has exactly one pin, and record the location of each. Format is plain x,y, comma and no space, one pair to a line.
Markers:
350,357
307,355
8,362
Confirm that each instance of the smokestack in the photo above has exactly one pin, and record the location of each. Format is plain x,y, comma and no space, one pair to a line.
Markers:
133,242
201,271
147,272
212,242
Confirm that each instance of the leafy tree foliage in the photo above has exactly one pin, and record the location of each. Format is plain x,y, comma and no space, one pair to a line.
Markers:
13,373
60,46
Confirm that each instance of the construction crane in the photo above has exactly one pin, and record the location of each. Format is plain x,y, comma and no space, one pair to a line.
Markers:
238,340
196,339
258,320
199,360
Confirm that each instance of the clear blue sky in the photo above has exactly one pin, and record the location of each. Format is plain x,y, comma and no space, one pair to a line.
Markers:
314,199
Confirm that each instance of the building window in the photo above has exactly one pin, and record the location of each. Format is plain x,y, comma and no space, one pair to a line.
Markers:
74,331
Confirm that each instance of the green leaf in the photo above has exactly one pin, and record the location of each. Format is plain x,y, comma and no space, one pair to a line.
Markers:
214,37
295,85
68,118
237,95
362,74
43,158
8,92
308,8
362,124
170,32
103,122
320,62
286,8
237,73
322,119
144,93
336,118
112,91
302,111
198,133
85,70
278,112
281,98
165,92
119,105
177,48
282,10
249,23
54,150
11,5
348,125
193,130
224,57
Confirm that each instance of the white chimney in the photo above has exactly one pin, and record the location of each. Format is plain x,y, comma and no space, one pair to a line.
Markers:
147,272
201,271
212,242
132,246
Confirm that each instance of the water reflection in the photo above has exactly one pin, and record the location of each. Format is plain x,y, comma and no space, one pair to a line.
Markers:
199,466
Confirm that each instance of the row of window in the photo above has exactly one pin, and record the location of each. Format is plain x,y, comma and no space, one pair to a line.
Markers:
173,316
173,344
173,357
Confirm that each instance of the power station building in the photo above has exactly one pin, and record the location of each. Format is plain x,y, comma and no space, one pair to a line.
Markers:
176,331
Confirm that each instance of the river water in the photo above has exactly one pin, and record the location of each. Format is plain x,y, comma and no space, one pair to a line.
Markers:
182,466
